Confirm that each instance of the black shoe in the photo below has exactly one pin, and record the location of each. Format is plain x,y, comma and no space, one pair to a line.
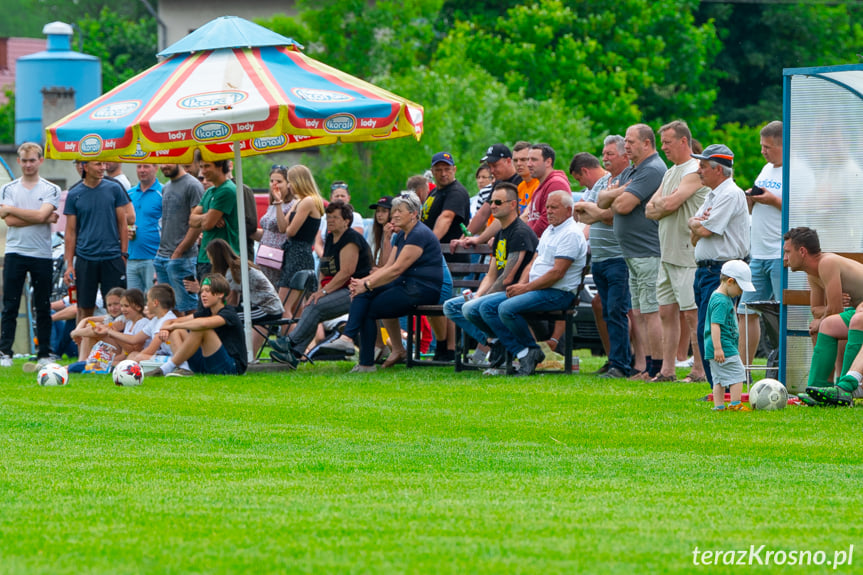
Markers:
603,369
497,355
613,373
282,344
285,358
527,364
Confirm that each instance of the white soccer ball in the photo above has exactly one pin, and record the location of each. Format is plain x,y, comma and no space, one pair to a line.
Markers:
768,394
128,373
52,374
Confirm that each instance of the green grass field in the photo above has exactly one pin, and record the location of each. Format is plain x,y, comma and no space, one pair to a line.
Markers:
420,471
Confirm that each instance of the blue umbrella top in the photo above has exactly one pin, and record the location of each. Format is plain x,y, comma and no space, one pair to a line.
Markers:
227,32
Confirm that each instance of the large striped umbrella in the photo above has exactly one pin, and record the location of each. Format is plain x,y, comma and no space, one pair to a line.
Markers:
231,89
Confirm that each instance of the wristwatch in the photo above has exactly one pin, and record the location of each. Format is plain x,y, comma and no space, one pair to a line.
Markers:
125,255
324,291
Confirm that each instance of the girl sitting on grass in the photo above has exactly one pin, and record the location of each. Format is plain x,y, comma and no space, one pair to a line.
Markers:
84,333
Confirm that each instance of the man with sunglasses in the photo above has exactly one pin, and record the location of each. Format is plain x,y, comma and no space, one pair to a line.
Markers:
514,246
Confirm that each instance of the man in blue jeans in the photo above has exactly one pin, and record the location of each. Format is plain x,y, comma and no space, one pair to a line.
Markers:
514,246
719,229
549,283
607,265
177,254
144,238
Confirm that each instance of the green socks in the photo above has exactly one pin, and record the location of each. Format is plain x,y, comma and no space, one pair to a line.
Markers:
823,361
852,348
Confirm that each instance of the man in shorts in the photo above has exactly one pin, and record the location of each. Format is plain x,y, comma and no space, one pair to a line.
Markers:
639,240
212,341
97,237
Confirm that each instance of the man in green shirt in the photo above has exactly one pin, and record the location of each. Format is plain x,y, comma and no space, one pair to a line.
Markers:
216,215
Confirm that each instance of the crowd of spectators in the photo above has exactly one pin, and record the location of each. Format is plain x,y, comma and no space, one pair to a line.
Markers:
656,232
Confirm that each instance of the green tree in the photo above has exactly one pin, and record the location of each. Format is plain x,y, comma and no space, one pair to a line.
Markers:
760,40
125,47
7,119
625,62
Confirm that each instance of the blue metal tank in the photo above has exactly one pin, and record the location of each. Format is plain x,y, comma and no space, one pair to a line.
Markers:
57,67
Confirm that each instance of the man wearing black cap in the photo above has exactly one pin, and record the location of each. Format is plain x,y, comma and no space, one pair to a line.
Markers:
719,229
446,208
499,160
448,205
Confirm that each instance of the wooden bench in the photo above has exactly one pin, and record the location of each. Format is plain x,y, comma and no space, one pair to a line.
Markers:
465,276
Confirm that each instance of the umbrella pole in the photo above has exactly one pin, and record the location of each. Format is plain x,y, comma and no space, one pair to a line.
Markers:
244,251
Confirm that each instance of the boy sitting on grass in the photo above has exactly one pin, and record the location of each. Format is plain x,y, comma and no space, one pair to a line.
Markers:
212,341
721,335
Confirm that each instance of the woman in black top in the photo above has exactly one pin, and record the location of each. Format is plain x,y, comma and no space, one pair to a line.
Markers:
300,226
346,256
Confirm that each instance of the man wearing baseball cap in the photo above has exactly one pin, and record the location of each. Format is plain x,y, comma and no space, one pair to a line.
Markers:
446,208
719,229
499,160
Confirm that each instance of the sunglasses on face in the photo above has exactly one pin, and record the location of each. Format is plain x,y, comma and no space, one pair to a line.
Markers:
278,167
499,202
335,187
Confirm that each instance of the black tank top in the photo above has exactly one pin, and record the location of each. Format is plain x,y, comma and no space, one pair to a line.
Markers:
308,230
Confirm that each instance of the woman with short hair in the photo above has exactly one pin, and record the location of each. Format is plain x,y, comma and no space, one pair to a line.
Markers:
346,255
412,276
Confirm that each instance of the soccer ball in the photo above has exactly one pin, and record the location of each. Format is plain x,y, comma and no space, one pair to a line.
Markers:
768,394
128,373
52,374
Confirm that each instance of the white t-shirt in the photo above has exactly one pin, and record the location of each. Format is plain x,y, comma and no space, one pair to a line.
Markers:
152,328
35,240
766,233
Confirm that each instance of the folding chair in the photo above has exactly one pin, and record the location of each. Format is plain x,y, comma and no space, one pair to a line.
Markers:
303,281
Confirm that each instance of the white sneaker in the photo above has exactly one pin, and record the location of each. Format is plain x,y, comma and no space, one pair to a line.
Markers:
5,360
494,371
478,357
685,363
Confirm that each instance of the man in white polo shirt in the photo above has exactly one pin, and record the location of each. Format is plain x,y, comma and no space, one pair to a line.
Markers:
549,283
28,206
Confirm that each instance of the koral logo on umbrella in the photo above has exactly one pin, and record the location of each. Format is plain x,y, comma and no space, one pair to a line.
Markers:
210,131
221,99
115,110
321,96
269,143
90,145
340,124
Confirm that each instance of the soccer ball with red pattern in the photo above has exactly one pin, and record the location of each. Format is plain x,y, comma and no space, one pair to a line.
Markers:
52,374
128,373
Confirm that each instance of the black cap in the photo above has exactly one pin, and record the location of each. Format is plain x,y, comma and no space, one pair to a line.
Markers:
496,152
384,202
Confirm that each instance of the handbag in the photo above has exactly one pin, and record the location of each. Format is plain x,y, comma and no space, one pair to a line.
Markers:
270,257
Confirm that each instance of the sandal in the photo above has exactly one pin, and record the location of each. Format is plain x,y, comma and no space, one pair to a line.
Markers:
394,358
691,379
640,376
662,378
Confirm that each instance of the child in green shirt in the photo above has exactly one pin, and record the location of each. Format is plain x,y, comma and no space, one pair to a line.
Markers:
721,335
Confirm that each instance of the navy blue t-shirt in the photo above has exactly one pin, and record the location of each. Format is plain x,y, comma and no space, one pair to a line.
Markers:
428,268
95,210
